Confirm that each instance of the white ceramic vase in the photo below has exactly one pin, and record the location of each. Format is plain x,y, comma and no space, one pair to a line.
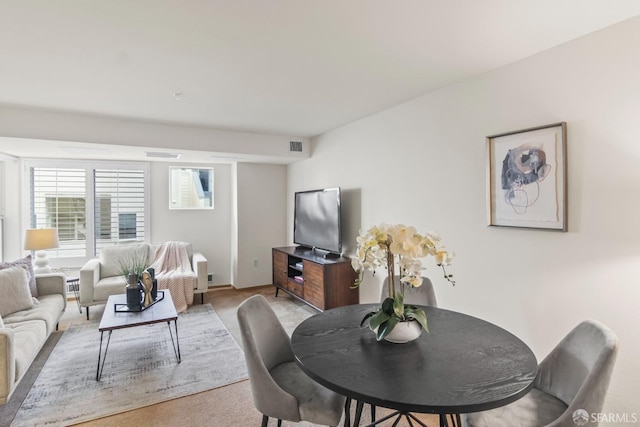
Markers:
404,332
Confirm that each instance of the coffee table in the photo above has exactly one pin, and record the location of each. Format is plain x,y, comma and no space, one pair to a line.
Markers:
162,311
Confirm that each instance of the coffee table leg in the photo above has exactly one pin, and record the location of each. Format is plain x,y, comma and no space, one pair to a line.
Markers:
104,357
176,351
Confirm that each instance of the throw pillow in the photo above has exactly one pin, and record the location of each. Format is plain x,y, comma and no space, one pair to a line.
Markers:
1,322
14,291
27,264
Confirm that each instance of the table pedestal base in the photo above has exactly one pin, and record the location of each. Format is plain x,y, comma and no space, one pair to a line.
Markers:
397,416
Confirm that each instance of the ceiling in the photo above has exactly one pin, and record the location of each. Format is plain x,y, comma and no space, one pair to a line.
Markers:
290,67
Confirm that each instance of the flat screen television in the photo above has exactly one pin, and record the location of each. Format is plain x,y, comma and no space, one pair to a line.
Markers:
317,220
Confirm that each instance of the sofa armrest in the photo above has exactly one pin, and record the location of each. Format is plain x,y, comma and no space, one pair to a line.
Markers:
7,364
89,277
200,268
51,284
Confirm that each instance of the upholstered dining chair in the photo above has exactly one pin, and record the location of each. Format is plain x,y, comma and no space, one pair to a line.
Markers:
422,295
570,385
279,387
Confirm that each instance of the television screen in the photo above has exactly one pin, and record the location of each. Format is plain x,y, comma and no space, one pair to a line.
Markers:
317,219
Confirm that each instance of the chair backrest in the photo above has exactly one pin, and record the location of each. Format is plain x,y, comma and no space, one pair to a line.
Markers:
422,295
578,370
113,257
266,345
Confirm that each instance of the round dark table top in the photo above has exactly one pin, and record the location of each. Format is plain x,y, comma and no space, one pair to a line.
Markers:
464,364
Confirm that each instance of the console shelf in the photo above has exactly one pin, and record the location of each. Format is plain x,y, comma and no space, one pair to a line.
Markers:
322,282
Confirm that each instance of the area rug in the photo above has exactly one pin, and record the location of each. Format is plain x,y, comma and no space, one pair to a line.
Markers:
140,369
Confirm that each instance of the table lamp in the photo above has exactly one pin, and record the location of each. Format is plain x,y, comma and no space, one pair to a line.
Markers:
39,239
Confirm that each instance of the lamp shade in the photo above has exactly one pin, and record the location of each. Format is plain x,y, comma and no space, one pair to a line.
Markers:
37,239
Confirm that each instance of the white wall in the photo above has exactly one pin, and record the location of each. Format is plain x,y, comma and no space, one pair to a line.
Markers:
207,230
423,163
12,231
261,221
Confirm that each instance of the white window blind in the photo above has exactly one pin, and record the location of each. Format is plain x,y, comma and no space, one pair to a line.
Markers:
58,200
119,206
95,205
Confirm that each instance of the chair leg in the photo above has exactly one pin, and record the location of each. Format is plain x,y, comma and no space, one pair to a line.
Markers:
265,421
347,412
87,312
373,413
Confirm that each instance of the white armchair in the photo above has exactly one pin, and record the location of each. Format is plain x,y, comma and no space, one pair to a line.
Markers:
101,277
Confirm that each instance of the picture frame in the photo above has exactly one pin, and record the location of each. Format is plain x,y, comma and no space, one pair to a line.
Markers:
527,178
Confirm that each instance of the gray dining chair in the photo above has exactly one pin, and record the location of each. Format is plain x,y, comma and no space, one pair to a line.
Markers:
422,295
571,384
279,387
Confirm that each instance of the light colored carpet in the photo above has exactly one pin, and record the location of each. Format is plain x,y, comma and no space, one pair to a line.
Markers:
140,369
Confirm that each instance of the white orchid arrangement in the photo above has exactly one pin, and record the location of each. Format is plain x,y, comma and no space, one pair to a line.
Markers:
384,246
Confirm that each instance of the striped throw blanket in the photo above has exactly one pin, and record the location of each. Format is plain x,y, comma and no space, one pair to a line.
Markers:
173,271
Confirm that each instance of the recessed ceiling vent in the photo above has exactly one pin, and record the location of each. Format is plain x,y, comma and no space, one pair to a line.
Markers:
295,146
161,155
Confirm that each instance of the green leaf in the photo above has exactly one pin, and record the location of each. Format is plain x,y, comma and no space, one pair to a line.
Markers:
418,314
386,327
378,319
387,306
364,319
398,306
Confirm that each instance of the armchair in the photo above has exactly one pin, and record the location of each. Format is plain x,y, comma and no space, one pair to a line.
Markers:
101,277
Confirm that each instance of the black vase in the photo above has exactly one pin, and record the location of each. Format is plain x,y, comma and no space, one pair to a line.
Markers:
134,292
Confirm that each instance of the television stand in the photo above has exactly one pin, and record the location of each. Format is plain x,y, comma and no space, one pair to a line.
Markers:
322,281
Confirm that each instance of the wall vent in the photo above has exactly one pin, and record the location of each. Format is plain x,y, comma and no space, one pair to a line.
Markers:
162,155
295,146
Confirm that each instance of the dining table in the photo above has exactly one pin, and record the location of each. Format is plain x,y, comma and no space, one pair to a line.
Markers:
462,364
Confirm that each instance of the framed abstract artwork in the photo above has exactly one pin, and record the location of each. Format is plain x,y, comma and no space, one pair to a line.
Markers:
527,178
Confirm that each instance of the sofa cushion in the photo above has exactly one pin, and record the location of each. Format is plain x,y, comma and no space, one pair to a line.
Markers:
109,286
1,322
27,264
49,309
112,258
14,289
29,336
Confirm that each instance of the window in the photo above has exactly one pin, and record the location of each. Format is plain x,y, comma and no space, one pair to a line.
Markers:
127,226
92,206
119,206
190,188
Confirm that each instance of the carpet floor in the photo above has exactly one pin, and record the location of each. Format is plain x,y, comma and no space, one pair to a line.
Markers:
227,406
140,369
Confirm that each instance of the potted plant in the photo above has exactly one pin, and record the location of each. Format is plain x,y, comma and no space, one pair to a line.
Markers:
385,245
132,270
131,266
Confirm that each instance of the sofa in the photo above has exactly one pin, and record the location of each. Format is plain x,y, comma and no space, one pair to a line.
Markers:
101,277
23,332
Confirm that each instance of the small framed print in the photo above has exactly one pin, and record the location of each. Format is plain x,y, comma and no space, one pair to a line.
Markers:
527,178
